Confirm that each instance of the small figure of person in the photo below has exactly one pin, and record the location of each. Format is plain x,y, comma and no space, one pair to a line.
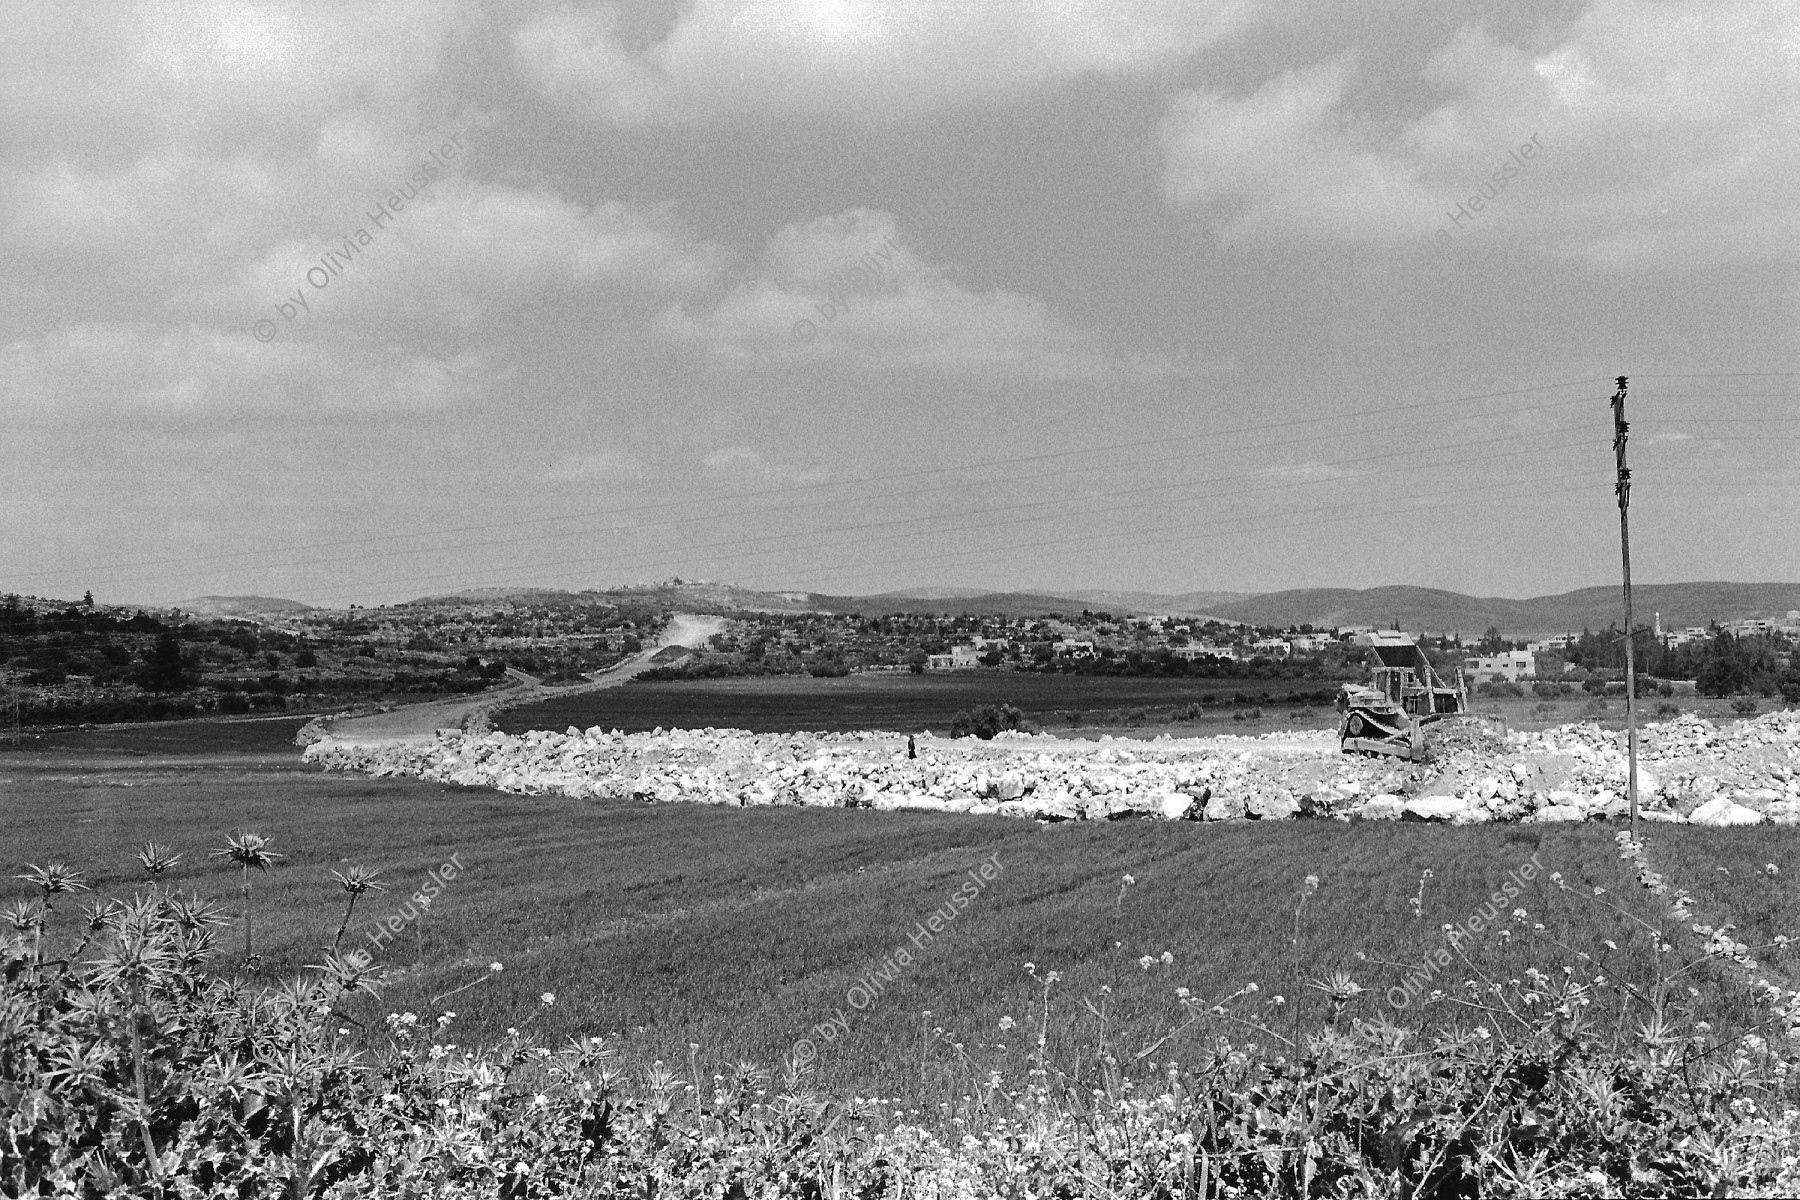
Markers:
911,752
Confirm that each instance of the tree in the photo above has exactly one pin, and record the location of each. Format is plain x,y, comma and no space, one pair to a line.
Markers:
1722,675
87,599
162,667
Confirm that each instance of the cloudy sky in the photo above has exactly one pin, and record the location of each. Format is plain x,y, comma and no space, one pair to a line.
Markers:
361,301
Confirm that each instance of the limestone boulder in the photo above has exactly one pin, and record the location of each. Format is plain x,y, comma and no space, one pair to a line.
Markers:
1275,804
1720,811
1382,807
1226,806
1436,808
1552,814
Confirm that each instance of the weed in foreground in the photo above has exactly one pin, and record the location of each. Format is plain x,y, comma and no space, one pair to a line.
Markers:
142,1070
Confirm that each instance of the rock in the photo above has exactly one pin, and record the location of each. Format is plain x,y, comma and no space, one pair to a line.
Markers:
1435,808
1758,798
1276,805
1662,816
1384,807
1552,813
1720,812
1227,807
891,802
1177,807
1010,786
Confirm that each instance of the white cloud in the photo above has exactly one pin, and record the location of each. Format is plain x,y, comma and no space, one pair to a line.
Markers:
870,59
843,291
216,76
1665,129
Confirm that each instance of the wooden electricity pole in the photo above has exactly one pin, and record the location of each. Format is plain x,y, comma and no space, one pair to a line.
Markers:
1621,429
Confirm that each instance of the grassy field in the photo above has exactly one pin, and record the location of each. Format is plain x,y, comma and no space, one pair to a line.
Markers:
745,930
908,703
1067,705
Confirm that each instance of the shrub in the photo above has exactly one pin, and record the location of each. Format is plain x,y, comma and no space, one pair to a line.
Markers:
986,721
1665,709
1744,705
129,1067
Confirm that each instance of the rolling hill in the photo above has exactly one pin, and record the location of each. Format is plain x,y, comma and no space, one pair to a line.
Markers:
241,606
1419,609
1431,610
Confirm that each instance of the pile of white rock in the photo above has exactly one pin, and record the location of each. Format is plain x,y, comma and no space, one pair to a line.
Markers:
1689,771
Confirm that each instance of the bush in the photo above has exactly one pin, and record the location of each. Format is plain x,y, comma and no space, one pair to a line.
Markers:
985,721
234,702
1665,709
1744,705
130,1066
1499,687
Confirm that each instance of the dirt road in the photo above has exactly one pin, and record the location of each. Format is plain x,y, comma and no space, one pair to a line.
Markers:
420,722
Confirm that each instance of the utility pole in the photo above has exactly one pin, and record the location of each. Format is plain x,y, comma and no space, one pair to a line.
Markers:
1621,429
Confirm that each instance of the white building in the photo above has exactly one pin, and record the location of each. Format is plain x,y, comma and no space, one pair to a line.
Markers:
1553,645
1511,666
1073,649
1273,647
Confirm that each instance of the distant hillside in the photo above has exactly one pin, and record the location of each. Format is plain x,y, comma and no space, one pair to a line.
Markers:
1434,611
685,594
241,606
1002,604
1428,610
1186,603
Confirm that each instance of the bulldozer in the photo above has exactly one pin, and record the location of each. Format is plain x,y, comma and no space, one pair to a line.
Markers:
1388,715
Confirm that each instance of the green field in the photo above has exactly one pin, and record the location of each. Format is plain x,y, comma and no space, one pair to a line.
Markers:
743,930
907,703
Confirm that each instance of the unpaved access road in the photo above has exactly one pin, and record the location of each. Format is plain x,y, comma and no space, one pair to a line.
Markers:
420,722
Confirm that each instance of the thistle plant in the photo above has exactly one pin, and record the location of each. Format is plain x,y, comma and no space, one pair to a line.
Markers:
244,851
156,858
53,879
355,882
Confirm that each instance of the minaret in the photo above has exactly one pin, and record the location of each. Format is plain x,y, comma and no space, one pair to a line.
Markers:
1659,627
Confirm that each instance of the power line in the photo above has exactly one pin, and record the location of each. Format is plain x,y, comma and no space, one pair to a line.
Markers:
889,478
1285,484
629,558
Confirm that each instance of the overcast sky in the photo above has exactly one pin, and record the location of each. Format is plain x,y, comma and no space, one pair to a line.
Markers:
851,296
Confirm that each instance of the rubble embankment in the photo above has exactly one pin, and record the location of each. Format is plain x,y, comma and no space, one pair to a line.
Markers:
1689,770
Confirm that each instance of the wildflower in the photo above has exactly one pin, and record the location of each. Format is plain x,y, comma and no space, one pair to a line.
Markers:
1281,999
1129,881
1006,1023
1599,891
1312,884
1167,958
1145,962
1182,993
1031,966
548,998
494,966
1771,869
